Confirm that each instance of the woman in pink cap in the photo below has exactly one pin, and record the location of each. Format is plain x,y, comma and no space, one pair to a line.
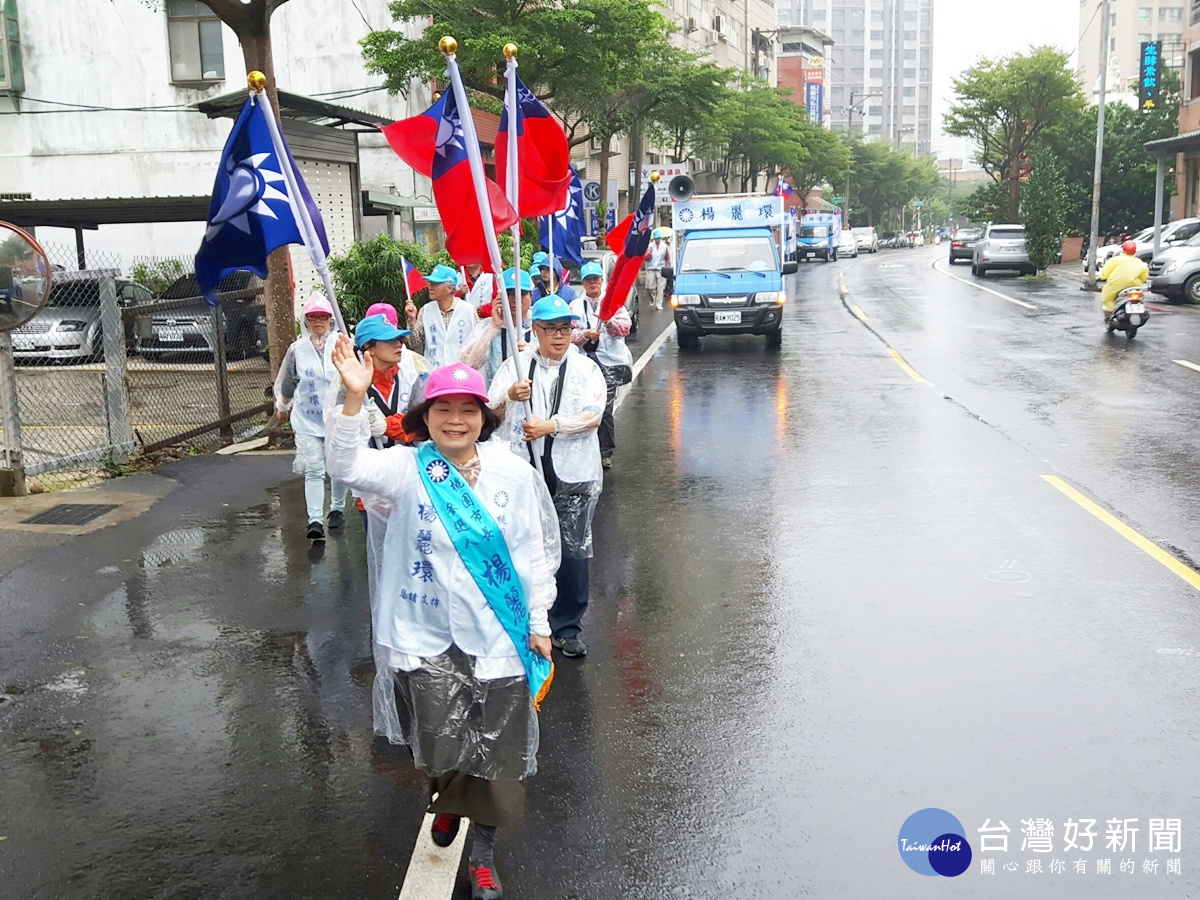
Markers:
301,392
464,585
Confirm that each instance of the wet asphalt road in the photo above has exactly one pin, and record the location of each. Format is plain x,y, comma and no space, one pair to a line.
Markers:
825,595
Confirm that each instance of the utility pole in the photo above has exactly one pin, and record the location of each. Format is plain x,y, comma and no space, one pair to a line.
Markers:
1095,229
850,136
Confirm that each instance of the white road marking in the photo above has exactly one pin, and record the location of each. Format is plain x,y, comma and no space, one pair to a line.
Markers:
1187,365
433,870
623,391
986,290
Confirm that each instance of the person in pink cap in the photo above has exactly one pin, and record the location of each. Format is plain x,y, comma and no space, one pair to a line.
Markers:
464,583
386,310
301,392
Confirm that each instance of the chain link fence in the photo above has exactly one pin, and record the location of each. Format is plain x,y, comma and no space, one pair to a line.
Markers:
128,361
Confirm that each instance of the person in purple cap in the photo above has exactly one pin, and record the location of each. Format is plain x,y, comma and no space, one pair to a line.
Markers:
464,584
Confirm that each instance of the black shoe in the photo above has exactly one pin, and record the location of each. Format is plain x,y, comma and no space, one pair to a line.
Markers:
445,830
484,884
336,520
316,531
572,648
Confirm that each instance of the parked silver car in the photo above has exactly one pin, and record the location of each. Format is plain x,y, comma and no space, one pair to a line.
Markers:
68,327
1001,247
1175,272
867,238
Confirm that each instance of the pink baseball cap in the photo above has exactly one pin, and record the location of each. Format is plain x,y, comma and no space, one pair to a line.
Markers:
318,305
386,310
456,378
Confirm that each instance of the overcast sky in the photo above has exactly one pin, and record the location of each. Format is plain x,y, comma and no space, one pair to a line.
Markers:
965,30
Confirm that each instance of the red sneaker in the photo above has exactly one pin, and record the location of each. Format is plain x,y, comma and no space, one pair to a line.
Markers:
484,884
445,830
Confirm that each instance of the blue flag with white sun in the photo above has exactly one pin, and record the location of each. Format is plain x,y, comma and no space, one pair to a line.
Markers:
251,212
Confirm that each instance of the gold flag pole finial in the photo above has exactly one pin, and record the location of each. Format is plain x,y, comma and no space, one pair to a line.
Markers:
510,50
257,81
448,45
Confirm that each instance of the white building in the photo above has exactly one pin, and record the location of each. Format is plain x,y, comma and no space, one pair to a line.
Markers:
107,113
883,51
1130,26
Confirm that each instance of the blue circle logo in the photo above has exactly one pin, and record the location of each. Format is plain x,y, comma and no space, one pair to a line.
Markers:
933,842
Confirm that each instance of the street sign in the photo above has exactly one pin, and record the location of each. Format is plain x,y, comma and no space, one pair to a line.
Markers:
591,193
594,220
837,198
1148,87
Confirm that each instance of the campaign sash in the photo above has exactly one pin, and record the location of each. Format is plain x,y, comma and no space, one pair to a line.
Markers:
481,546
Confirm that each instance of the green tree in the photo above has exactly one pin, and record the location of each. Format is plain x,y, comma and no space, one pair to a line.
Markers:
756,130
823,158
371,271
691,93
1004,105
1044,206
884,180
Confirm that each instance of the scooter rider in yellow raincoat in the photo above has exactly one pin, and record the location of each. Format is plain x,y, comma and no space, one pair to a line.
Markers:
1122,271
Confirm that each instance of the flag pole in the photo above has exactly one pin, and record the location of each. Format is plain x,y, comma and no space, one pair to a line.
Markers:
513,177
404,273
448,46
308,231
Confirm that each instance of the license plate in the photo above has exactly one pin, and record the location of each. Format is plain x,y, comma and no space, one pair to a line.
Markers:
171,335
728,318
1133,308
21,342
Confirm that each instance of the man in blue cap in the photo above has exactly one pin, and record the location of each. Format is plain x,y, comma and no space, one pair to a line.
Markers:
441,328
488,347
604,343
566,393
547,282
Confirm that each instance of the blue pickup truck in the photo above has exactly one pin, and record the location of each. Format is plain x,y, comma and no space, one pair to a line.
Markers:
819,236
729,268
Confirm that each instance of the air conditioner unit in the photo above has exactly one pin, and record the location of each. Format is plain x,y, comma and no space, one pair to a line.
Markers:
596,145
689,25
719,24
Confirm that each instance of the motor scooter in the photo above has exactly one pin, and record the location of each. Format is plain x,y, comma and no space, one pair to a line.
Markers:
1130,313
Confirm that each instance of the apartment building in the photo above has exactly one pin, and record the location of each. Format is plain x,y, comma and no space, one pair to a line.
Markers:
1130,24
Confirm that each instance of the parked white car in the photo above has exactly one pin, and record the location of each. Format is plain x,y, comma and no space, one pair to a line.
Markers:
848,244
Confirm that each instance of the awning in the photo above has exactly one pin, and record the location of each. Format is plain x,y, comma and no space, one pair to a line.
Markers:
380,203
295,106
92,212
1181,143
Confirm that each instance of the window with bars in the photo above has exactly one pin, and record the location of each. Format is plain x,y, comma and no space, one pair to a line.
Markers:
1170,14
1195,17
194,35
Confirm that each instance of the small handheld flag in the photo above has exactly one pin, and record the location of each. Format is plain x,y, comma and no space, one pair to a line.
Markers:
568,226
254,208
413,279
629,240
545,171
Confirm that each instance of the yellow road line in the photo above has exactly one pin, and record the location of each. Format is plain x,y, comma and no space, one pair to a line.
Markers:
902,363
862,316
1187,365
1143,543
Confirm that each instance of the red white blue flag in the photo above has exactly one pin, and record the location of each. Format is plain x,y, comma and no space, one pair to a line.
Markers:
629,240
543,155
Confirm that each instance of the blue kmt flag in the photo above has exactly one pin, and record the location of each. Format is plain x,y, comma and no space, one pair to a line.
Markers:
251,212
569,225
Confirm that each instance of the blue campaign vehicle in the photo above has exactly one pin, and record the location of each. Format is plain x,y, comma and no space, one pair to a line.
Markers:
730,265
819,235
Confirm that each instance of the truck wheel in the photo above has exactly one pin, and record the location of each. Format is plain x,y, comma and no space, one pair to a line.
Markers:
687,340
1191,289
775,339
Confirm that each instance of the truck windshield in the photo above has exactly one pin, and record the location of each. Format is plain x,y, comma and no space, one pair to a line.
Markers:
725,254
814,231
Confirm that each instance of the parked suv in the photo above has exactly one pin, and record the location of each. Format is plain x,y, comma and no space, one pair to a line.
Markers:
68,327
182,321
1001,247
1175,272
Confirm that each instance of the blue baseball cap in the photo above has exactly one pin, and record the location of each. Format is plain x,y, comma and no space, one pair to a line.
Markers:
591,270
376,328
540,259
442,275
510,280
551,308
